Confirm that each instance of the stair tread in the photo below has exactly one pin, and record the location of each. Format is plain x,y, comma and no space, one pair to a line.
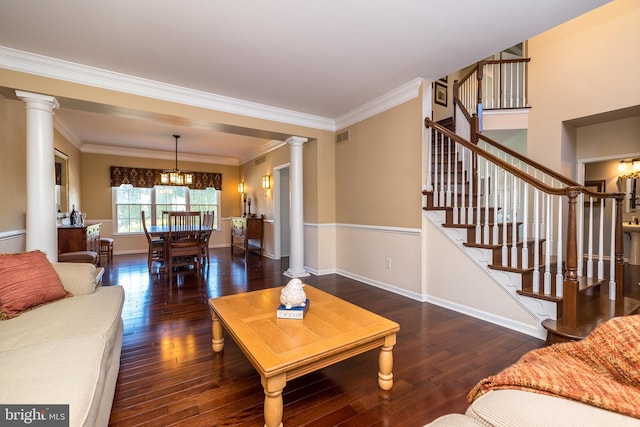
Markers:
519,243
597,312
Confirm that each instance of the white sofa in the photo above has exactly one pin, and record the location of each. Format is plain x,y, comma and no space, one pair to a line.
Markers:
592,382
518,408
66,351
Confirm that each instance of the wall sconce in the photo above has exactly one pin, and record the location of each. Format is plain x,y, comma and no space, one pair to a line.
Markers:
622,166
241,187
266,182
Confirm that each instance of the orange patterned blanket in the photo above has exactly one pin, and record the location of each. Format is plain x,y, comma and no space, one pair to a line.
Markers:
602,370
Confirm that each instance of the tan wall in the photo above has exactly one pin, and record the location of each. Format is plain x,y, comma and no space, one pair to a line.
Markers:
251,174
13,164
378,170
614,138
74,164
586,66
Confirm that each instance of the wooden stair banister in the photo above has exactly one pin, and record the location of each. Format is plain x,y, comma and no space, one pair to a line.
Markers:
569,286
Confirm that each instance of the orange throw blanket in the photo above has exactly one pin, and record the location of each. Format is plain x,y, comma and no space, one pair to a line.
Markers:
602,370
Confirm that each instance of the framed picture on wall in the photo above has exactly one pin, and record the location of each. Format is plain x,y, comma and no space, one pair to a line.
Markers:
440,94
594,186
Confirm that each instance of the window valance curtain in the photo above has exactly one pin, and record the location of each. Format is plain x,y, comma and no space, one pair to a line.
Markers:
148,178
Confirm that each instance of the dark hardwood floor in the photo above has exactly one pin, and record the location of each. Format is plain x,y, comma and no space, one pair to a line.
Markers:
170,376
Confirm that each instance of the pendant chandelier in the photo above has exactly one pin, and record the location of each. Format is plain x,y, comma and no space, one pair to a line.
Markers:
175,176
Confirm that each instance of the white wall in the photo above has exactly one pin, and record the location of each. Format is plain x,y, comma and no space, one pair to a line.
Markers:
457,282
386,257
583,67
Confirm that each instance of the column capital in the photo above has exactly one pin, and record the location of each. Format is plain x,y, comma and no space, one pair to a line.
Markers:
296,140
42,100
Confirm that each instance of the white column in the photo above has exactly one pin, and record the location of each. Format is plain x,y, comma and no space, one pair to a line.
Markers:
41,210
296,257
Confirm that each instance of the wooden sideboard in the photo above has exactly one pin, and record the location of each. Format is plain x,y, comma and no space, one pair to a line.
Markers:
246,232
74,238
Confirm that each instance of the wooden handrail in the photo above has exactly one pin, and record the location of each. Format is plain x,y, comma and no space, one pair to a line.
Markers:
567,181
504,61
497,160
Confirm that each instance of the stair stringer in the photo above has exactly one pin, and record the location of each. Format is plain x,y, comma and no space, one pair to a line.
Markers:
510,282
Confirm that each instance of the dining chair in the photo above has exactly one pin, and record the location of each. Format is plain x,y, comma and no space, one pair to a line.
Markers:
156,246
207,224
165,218
184,240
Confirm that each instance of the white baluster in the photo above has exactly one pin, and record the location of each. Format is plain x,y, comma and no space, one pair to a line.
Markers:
514,224
547,250
470,209
612,268
559,278
430,157
463,191
478,200
525,226
494,238
505,247
441,161
580,234
601,242
449,170
456,216
590,242
524,79
487,169
436,161
536,241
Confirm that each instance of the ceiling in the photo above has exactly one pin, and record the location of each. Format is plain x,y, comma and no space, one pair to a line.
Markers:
319,59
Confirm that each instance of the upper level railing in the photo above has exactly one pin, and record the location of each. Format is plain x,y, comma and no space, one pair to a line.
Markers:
493,84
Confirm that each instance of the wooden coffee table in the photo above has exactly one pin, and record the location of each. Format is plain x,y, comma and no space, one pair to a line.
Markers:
283,349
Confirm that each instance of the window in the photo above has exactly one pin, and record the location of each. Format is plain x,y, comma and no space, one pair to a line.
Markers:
129,202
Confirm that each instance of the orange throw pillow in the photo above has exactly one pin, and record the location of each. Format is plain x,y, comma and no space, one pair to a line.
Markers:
26,280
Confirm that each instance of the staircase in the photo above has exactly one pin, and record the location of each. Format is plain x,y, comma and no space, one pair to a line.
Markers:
525,225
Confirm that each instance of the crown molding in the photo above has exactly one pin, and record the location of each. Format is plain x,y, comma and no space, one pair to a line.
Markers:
31,63
62,127
45,66
389,100
161,155
273,145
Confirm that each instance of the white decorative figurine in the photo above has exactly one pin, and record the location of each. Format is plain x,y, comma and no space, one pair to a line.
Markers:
292,295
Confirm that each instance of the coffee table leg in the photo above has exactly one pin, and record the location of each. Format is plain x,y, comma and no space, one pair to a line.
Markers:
385,362
217,342
273,400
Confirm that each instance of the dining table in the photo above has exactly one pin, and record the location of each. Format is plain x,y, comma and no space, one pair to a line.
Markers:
163,231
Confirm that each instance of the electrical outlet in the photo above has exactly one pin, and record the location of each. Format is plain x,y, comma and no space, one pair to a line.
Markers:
388,262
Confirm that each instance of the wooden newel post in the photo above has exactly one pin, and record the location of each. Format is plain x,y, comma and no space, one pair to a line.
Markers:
480,76
572,235
474,128
455,97
570,282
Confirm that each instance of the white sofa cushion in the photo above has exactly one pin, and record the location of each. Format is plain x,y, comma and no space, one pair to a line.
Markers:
98,313
518,408
455,420
67,371
77,278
